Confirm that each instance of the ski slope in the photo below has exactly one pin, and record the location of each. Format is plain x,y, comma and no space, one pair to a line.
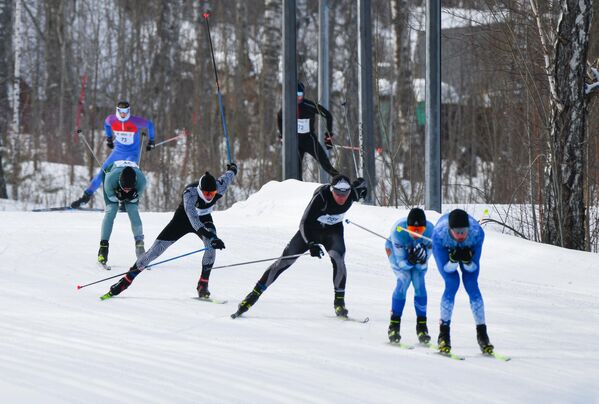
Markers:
156,344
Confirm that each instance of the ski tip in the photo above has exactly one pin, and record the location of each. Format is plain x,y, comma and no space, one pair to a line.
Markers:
235,315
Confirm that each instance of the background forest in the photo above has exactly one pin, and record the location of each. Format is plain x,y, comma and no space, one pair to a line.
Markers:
496,103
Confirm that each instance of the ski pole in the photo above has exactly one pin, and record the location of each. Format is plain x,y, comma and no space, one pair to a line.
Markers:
172,138
149,266
357,149
79,131
399,228
220,97
344,103
286,257
80,108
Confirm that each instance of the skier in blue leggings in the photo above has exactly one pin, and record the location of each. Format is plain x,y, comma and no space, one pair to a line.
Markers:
123,134
408,255
457,244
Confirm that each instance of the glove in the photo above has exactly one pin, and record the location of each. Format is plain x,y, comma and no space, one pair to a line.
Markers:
328,141
359,185
110,142
453,255
417,255
151,145
232,167
315,250
465,255
204,232
125,196
217,244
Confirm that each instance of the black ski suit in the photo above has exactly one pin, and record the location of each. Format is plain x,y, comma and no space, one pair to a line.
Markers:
306,138
192,216
322,223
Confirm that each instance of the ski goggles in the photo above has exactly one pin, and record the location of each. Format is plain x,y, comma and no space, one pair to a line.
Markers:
417,229
123,111
459,233
209,194
300,94
341,189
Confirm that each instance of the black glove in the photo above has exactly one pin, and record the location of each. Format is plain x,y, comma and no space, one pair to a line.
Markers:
328,141
232,167
315,250
125,196
110,142
151,145
204,232
217,244
417,255
359,185
465,255
453,255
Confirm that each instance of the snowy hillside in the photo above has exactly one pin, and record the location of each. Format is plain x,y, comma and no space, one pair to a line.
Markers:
156,344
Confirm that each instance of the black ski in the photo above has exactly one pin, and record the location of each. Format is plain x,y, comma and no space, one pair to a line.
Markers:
67,208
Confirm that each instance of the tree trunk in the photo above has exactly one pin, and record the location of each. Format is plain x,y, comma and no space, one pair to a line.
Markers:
565,190
5,62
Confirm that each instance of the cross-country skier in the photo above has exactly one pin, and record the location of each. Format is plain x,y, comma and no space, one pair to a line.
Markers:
322,223
192,216
124,183
408,255
123,134
307,141
457,244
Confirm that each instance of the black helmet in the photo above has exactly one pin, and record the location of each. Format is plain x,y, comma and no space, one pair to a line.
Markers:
207,182
416,217
458,219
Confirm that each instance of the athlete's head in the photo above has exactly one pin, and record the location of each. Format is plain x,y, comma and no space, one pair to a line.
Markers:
340,188
300,92
127,179
459,225
123,111
416,222
207,187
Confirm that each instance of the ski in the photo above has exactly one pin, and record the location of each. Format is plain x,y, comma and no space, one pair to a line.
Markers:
104,266
355,320
497,356
211,300
445,354
402,345
236,314
106,296
67,208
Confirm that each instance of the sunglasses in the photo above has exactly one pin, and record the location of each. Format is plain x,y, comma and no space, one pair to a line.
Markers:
209,194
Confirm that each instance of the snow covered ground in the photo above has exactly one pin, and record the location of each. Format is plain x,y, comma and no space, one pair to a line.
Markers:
156,344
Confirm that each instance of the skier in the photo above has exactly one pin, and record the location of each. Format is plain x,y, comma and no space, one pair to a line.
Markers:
124,183
125,129
307,141
408,254
322,223
457,243
192,216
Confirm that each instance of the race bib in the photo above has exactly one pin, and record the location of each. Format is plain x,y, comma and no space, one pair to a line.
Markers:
331,219
124,137
303,126
206,211
125,163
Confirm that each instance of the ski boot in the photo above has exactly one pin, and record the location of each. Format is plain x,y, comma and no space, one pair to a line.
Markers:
203,292
139,248
339,304
124,282
393,332
444,342
422,330
103,252
81,201
248,302
483,339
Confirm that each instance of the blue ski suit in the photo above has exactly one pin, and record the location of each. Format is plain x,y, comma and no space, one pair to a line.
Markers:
398,245
443,242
